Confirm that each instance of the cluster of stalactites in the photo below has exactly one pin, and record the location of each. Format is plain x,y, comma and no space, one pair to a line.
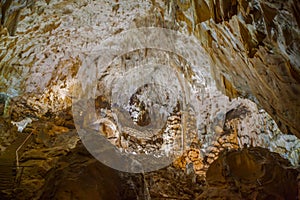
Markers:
10,13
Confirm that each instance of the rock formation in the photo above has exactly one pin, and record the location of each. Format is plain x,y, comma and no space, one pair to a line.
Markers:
233,148
236,173
254,51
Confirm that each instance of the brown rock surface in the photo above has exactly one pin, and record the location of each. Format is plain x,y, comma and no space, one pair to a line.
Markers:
251,173
61,168
78,176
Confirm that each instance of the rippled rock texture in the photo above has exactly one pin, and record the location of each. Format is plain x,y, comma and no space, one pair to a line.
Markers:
254,48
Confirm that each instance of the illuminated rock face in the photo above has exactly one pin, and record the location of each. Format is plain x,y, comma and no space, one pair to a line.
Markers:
254,49
254,52
250,57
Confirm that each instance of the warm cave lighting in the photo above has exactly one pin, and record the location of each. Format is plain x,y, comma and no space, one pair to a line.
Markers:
152,99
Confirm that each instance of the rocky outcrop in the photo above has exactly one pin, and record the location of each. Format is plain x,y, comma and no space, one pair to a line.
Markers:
254,51
251,173
78,176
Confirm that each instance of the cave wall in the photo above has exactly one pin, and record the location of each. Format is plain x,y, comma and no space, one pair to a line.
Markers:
39,64
254,50
253,46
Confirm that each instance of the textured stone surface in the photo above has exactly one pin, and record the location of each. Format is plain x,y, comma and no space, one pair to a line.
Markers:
62,168
254,50
251,173
78,176
43,57
44,70
254,53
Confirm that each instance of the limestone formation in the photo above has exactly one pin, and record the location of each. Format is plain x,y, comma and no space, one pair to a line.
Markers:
254,51
233,128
